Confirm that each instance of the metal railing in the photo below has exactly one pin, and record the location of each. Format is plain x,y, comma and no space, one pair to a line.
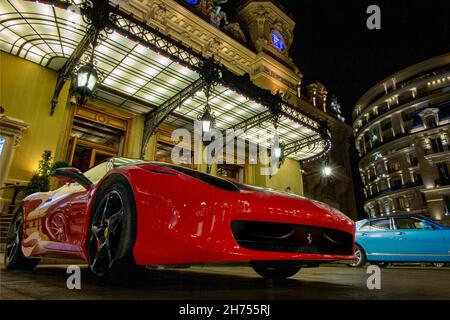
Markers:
438,149
393,189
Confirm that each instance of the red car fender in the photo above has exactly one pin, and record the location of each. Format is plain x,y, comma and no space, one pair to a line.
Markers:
92,195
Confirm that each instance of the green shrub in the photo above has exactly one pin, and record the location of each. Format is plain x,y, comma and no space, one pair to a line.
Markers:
58,164
40,181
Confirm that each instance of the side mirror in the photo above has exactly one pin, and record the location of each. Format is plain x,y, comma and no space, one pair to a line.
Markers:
70,175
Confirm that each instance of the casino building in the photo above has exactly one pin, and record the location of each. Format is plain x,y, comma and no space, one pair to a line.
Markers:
402,132
88,80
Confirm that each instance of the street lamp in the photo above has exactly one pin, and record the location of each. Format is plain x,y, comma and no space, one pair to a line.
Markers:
327,171
207,119
277,150
85,82
86,78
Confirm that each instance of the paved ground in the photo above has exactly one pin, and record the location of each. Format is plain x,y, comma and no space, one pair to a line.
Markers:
331,282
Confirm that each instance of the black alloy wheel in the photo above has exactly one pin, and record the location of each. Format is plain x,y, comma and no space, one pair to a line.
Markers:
14,258
113,234
106,229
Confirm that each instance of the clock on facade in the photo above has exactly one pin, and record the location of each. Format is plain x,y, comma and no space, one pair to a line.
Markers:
278,40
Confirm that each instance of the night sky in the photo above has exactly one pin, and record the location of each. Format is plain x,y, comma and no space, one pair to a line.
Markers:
333,45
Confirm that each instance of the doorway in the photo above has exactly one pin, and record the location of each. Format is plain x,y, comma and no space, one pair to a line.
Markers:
91,143
231,171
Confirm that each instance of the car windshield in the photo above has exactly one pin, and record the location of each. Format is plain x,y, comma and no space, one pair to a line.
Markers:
96,173
207,178
120,162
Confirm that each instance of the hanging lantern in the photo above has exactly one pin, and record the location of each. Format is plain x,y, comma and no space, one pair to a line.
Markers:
85,83
207,119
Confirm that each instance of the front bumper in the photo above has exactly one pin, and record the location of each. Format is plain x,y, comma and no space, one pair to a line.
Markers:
210,239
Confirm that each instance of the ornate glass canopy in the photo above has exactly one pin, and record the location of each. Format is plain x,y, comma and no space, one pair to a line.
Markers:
138,76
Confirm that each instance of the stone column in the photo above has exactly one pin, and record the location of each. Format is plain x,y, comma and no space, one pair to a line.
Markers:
10,130
427,169
250,171
435,205
150,153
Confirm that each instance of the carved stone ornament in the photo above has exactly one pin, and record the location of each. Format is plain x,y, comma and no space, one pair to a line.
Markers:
278,25
213,47
157,12
235,31
12,127
261,13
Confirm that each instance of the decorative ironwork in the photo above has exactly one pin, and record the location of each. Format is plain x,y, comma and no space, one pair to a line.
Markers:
210,75
103,19
298,116
91,70
138,31
295,146
327,149
98,18
155,118
100,14
70,65
253,121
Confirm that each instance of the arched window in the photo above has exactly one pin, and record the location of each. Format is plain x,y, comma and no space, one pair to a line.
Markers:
431,122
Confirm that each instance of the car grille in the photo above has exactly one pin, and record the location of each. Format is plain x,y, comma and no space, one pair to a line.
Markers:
283,237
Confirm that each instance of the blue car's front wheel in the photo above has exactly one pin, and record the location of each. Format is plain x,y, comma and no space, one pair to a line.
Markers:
360,258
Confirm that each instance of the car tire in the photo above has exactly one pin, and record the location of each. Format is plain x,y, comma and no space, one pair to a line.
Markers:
382,264
112,234
276,272
14,258
360,258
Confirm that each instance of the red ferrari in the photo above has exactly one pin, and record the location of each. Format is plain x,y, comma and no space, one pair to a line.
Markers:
125,213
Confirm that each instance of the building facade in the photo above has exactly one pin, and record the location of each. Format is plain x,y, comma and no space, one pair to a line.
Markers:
151,59
336,186
401,127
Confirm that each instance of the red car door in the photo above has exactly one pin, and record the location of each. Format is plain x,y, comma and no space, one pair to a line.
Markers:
76,209
75,214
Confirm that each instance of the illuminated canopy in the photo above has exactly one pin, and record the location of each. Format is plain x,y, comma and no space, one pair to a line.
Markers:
143,69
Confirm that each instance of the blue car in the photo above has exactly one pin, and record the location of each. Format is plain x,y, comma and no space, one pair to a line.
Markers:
401,238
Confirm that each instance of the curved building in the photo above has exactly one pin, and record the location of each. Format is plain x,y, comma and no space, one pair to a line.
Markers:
402,133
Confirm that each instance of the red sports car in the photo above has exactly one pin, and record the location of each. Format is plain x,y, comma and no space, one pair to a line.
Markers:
125,213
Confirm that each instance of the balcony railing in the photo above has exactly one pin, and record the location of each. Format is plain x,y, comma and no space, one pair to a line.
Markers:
402,102
393,189
442,182
439,149
378,143
393,169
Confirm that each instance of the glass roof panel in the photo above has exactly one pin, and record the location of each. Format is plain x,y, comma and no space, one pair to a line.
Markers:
48,35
